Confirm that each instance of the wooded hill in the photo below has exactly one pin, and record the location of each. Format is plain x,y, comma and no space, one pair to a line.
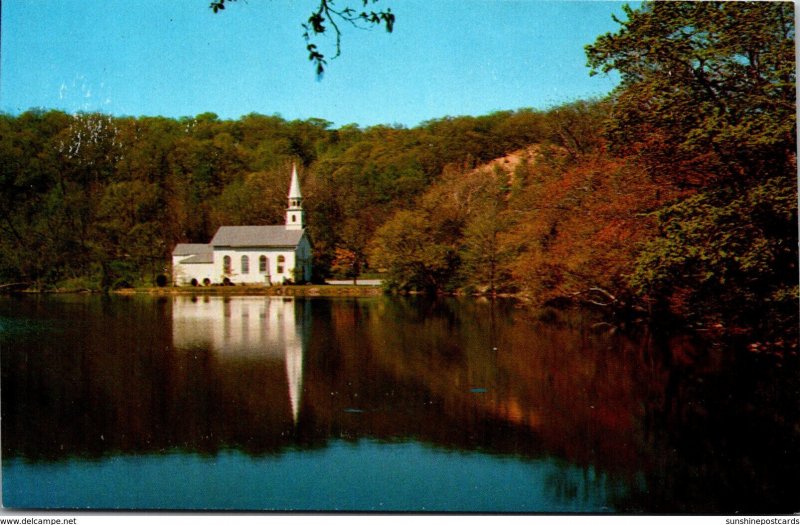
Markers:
676,194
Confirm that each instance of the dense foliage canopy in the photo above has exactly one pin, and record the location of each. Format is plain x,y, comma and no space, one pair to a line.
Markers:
675,195
707,104
89,196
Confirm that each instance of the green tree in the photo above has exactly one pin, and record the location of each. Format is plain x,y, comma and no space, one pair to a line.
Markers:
576,126
127,243
483,254
727,257
708,88
257,198
406,247
707,103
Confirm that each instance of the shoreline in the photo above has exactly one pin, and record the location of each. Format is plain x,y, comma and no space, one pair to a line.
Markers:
754,345
309,290
301,290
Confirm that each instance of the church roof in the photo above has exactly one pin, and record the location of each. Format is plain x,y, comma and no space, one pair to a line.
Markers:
191,249
242,236
200,258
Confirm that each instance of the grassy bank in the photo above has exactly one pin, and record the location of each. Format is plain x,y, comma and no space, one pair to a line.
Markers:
309,290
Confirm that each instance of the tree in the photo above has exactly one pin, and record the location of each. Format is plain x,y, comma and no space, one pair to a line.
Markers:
482,252
257,198
406,247
707,103
577,126
708,88
726,257
580,225
327,13
347,263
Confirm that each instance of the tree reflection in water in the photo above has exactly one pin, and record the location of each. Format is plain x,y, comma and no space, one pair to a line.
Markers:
650,423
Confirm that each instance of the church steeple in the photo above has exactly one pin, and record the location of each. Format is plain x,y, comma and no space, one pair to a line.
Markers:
295,216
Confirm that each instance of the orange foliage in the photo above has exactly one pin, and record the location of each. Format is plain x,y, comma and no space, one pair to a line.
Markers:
582,224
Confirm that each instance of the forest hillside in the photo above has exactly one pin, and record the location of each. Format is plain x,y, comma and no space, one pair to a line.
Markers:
674,196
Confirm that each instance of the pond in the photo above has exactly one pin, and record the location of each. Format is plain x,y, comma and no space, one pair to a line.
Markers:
382,404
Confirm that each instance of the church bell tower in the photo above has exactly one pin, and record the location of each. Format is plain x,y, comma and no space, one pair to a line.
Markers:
295,216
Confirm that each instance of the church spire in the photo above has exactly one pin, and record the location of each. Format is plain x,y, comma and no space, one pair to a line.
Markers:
294,186
295,216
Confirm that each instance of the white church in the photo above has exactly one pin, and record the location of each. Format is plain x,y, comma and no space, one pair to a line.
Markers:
250,254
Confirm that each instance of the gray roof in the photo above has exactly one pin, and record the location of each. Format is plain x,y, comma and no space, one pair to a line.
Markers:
191,249
200,258
261,236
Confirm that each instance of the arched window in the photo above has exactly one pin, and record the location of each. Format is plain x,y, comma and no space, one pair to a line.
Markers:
281,261
245,264
226,265
262,264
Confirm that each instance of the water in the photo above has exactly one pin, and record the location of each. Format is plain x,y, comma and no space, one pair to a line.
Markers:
382,404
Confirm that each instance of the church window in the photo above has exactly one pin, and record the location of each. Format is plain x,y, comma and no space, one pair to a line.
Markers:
262,264
245,264
226,264
281,261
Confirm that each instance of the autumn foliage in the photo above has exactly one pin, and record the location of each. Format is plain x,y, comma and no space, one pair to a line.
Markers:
582,227
674,196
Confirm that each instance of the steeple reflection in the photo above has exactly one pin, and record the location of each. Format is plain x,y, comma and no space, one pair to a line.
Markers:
586,419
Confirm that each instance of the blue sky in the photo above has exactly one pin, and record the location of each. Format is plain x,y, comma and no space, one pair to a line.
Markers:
177,58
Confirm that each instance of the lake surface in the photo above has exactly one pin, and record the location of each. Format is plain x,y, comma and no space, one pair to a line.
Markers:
382,404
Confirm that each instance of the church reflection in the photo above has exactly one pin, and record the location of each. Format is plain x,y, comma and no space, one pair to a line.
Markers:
627,420
247,328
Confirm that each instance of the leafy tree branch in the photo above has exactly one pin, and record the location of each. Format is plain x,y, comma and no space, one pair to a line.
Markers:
327,16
